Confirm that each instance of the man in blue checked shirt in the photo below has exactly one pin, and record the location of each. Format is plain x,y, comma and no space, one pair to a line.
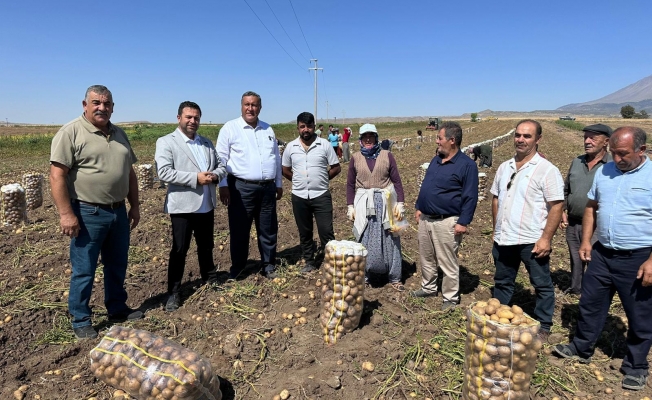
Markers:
620,211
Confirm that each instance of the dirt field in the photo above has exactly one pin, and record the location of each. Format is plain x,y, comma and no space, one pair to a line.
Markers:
417,350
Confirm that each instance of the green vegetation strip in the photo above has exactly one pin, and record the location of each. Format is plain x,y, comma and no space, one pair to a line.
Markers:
574,125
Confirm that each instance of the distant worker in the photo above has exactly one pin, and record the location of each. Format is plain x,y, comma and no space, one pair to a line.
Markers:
444,208
346,151
576,186
334,139
484,152
528,195
319,130
419,139
188,163
253,185
310,163
91,174
619,210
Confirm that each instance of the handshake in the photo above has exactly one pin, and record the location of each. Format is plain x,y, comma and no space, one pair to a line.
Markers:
399,212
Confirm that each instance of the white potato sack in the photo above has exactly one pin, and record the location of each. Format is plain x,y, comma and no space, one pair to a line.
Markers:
501,352
150,367
343,288
145,174
14,204
33,184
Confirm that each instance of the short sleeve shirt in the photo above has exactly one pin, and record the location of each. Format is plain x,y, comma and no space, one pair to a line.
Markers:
523,208
99,165
624,216
309,167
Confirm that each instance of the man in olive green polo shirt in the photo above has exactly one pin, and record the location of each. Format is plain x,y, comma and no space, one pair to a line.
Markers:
91,174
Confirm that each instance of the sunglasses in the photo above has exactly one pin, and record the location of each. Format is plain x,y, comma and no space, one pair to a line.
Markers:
511,179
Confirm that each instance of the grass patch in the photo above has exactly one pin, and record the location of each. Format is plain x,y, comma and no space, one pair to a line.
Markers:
60,333
574,125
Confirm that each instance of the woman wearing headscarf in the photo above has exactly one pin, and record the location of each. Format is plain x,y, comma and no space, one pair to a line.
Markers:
374,195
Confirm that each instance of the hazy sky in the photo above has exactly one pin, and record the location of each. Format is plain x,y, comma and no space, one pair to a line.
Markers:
380,58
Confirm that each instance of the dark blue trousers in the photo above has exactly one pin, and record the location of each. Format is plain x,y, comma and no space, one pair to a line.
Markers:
610,272
507,260
252,202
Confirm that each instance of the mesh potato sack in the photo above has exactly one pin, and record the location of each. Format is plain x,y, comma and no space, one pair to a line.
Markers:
421,173
501,352
33,184
14,204
149,367
145,174
343,288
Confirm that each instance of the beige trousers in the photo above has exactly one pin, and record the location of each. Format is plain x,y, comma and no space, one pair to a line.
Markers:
438,247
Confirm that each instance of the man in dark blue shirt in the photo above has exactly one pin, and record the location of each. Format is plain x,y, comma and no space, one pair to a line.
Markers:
445,207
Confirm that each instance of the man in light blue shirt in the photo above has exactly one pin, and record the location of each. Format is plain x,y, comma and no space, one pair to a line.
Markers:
306,162
188,163
620,208
249,149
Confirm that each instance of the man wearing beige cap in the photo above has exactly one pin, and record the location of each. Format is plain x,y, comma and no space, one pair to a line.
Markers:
576,186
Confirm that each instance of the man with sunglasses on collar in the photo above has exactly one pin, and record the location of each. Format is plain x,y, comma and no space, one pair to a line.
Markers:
527,204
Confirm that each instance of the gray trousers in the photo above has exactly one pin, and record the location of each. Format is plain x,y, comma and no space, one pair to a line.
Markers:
346,154
574,240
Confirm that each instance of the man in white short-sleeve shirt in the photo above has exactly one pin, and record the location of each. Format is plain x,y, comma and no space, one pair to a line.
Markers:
306,162
528,195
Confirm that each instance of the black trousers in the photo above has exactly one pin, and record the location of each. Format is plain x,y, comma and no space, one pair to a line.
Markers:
610,272
321,208
252,202
183,226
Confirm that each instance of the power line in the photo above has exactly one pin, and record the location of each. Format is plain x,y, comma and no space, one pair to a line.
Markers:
286,33
301,29
261,21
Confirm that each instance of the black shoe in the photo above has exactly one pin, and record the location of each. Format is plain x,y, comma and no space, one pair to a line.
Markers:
572,291
173,303
308,268
634,382
448,305
85,332
565,351
422,293
127,315
270,275
213,284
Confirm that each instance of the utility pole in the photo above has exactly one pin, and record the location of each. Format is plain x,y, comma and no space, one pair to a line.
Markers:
315,69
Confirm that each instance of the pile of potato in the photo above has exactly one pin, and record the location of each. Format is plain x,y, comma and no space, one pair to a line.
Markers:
501,352
33,184
343,288
14,205
421,173
149,367
482,186
145,174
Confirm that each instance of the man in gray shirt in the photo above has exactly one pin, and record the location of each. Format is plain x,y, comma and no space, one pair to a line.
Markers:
305,163
576,186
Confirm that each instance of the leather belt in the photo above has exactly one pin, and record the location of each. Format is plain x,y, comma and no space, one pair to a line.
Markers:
439,216
262,182
111,206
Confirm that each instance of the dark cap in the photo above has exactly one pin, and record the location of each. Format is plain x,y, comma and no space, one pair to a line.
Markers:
599,128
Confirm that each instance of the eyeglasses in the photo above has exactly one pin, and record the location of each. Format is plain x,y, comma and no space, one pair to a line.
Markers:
511,179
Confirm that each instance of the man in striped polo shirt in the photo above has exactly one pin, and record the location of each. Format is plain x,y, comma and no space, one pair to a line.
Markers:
528,195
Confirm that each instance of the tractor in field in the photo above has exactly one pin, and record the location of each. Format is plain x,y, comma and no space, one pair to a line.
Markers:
433,124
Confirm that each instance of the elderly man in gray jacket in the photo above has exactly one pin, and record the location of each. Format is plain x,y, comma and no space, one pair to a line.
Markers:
188,163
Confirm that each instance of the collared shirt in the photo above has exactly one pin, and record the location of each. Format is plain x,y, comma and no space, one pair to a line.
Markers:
450,188
99,165
309,167
249,153
523,209
577,185
197,150
624,215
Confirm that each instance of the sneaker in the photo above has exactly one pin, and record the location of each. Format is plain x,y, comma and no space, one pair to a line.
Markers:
85,332
633,382
447,305
270,275
565,351
422,293
173,303
308,268
127,315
